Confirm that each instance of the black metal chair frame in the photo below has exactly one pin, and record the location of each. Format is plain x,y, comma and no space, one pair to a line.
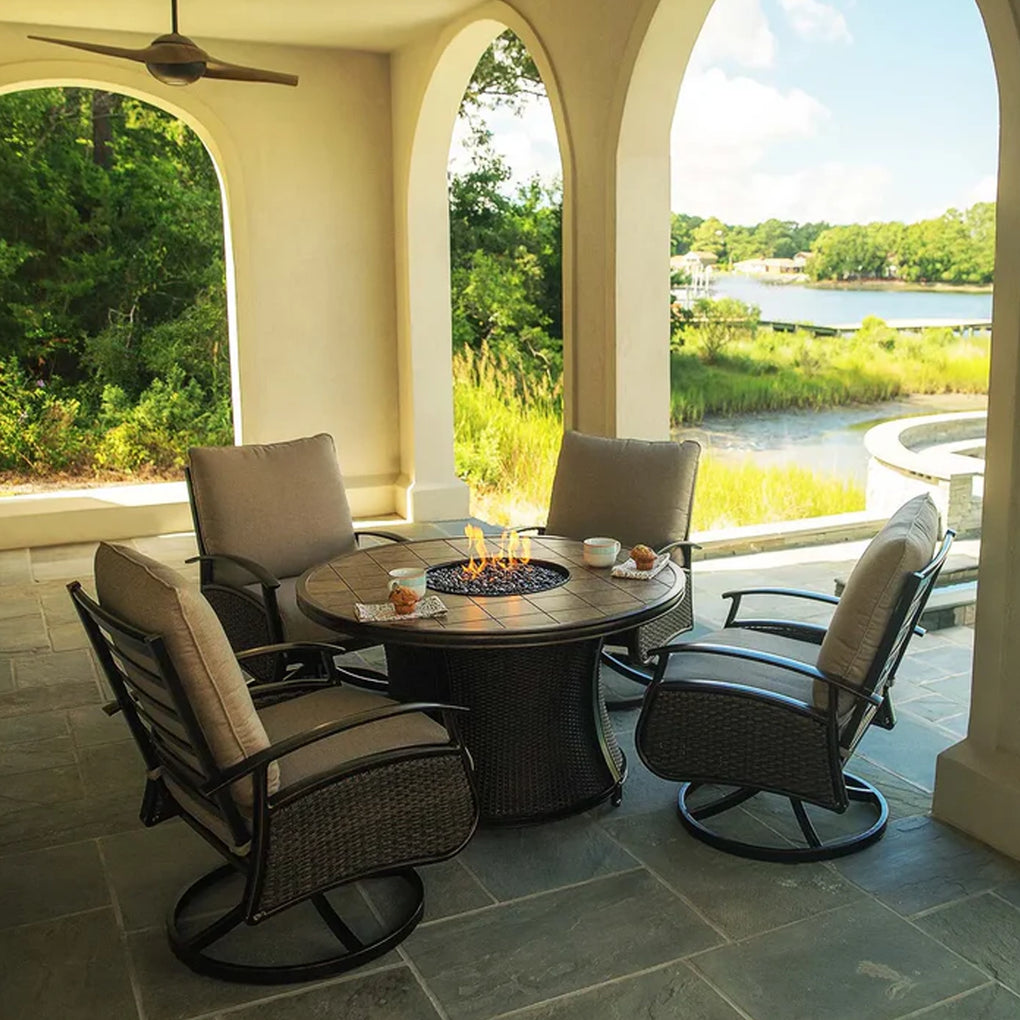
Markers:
138,666
251,622
640,642
812,768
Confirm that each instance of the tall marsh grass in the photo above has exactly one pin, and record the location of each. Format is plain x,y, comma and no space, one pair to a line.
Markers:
507,436
775,371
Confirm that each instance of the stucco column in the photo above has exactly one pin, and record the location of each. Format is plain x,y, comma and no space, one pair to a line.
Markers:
977,783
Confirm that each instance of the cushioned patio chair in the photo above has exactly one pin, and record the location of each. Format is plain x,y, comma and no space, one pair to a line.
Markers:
768,705
300,795
635,491
263,515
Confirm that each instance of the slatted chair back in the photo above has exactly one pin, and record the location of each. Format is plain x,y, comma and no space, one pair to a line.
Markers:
176,679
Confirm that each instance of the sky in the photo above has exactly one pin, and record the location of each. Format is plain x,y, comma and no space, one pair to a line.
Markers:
847,111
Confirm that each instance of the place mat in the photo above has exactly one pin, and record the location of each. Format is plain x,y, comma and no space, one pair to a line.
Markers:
629,568
383,612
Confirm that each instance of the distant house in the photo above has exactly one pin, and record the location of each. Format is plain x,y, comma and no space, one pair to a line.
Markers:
693,259
771,267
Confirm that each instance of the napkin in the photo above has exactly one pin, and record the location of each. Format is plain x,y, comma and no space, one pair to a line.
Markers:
629,568
383,612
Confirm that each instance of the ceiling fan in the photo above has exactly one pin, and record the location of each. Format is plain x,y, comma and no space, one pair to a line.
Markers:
175,60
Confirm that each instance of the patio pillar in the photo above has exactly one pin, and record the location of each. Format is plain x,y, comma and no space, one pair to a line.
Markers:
977,784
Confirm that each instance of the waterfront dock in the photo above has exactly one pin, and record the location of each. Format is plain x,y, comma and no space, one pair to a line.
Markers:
965,327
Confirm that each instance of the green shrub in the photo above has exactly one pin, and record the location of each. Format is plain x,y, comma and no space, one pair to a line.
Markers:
171,415
39,429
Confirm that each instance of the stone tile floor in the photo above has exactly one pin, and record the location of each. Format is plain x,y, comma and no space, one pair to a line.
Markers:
615,914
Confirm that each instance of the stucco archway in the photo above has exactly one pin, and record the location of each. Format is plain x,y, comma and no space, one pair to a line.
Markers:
423,244
978,780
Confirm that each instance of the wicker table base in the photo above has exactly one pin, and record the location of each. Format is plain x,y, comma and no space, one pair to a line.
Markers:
542,743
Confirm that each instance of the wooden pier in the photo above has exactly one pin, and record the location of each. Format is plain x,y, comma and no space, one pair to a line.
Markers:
965,327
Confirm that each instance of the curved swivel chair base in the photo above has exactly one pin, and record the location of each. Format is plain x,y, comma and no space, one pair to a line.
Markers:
190,950
858,790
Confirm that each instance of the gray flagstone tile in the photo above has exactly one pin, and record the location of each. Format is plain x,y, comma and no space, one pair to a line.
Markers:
741,896
520,953
33,755
909,750
392,994
47,668
47,884
38,726
984,930
667,993
921,863
30,700
516,862
993,1002
73,968
857,961
45,825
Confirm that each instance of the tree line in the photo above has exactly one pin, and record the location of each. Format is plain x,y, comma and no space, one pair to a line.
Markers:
113,321
957,247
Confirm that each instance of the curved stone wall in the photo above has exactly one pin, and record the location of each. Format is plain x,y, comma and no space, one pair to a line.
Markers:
941,454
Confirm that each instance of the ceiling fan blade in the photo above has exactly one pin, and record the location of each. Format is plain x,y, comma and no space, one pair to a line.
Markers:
236,72
108,51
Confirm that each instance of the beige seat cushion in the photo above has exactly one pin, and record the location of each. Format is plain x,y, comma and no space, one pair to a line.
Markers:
692,666
629,489
287,718
905,545
158,600
282,505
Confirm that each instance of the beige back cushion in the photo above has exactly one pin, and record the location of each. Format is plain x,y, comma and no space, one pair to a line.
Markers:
280,504
629,489
158,600
903,546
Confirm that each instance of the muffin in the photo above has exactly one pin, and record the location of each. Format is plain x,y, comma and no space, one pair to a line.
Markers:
403,599
643,557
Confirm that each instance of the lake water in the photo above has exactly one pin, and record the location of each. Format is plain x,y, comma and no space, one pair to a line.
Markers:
794,302
829,442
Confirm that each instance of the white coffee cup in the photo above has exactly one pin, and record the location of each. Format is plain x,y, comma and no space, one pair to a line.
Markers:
409,577
601,552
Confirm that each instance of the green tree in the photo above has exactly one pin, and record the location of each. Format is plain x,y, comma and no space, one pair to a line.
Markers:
710,235
681,232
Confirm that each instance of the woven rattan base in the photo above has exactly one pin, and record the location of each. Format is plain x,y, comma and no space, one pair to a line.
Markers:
191,949
537,728
814,849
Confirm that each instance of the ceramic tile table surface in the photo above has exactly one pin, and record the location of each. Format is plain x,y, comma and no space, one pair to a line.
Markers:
526,667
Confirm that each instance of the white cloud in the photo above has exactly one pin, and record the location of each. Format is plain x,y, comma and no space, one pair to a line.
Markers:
527,143
725,124
984,191
812,19
735,30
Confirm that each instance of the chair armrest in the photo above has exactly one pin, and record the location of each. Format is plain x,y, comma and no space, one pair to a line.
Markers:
326,651
538,529
765,658
388,535
794,593
681,543
265,757
257,571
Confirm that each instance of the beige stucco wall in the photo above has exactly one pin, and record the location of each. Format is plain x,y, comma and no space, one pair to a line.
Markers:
309,196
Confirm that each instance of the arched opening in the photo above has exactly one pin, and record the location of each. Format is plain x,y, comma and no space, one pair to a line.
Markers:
118,332
506,209
426,341
977,777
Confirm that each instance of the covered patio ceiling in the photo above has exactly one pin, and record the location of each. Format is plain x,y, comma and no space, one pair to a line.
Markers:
381,25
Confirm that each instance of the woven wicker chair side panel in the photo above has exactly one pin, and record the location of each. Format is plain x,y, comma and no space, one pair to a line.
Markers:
739,741
412,811
245,625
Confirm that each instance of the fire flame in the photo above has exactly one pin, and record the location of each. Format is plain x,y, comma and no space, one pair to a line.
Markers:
514,551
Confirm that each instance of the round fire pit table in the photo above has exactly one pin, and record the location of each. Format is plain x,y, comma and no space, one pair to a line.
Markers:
526,666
